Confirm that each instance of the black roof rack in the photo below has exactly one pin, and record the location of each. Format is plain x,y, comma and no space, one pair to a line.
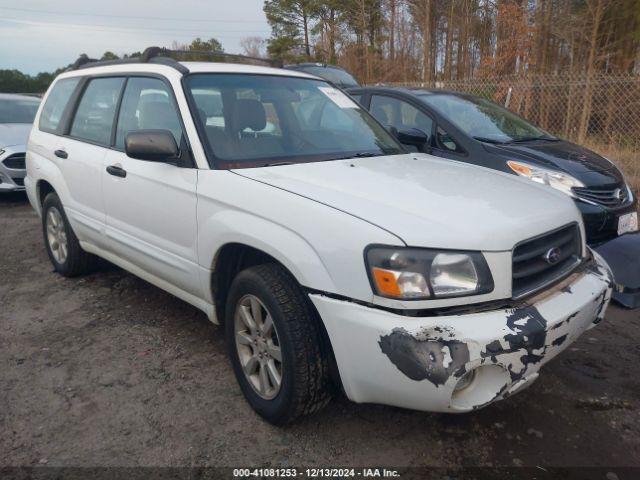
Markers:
162,56
269,61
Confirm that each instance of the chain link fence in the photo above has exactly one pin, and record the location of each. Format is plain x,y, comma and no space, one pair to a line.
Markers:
601,112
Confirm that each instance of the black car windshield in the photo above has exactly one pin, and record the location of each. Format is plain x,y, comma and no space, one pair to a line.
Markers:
18,110
260,120
482,119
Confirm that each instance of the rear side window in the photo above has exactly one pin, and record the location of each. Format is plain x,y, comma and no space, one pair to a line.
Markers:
147,104
93,120
56,103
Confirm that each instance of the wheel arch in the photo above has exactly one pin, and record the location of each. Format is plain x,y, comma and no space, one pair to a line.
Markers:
43,188
234,257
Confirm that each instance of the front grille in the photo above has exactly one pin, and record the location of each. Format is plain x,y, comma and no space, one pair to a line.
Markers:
18,181
15,161
607,196
543,260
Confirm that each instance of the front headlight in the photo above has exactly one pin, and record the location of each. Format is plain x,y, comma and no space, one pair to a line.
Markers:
420,273
558,180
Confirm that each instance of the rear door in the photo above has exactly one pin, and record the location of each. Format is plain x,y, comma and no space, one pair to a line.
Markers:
79,134
151,206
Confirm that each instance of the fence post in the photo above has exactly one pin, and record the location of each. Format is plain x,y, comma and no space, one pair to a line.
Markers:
508,99
585,116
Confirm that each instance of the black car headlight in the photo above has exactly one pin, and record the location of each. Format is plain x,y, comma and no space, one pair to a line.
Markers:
555,179
420,273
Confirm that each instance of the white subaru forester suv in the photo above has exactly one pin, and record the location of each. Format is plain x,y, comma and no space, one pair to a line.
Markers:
271,201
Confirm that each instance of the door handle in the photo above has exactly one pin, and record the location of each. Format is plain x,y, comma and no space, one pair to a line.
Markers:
116,171
61,154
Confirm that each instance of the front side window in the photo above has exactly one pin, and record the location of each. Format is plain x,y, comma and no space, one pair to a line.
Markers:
257,120
18,110
482,119
147,104
399,114
93,120
56,103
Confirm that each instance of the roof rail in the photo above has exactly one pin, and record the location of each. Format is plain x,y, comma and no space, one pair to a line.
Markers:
269,61
162,56
150,55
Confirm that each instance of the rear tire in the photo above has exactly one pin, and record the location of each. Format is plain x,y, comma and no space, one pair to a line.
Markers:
305,385
64,250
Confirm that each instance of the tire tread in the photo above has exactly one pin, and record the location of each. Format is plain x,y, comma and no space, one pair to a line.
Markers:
312,385
78,261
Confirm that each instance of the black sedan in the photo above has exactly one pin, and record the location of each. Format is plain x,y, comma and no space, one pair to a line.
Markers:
471,129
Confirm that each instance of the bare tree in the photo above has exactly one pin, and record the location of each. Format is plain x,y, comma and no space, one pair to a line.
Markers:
254,46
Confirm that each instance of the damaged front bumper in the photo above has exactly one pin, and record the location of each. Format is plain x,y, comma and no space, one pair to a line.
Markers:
417,362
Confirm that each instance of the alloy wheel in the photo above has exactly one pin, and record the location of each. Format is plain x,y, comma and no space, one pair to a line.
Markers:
258,346
57,235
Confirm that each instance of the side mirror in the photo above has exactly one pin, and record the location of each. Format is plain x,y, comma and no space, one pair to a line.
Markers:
413,136
151,145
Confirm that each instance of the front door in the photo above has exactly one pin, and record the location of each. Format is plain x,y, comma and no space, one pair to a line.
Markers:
151,206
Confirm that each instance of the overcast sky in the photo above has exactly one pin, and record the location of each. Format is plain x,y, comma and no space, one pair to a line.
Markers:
42,35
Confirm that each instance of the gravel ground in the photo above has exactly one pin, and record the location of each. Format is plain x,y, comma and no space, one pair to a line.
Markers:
107,370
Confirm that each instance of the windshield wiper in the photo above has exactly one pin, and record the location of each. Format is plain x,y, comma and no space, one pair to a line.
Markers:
359,155
530,139
277,164
489,140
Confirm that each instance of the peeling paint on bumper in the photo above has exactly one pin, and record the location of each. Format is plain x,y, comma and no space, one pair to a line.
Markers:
416,362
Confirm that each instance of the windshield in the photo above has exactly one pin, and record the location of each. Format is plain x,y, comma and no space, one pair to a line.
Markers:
18,110
482,119
336,76
260,120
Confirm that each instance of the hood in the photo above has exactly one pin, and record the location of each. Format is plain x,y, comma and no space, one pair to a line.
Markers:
587,166
427,201
14,134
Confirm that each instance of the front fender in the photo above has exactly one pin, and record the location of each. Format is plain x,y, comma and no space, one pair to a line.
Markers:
232,226
322,247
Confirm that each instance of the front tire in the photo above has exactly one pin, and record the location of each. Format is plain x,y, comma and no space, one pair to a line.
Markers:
275,344
64,250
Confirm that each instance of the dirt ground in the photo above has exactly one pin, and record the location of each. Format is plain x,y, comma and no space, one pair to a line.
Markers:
107,370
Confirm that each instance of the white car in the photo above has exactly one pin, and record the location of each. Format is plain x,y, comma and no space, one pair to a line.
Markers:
16,119
331,256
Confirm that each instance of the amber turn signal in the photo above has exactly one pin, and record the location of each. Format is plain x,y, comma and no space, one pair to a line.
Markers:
519,168
386,282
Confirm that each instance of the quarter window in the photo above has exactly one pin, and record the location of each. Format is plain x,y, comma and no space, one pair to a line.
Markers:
357,97
56,103
147,104
446,142
93,120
